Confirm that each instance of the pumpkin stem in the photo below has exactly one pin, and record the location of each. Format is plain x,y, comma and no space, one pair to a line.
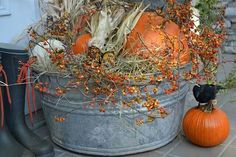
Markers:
209,107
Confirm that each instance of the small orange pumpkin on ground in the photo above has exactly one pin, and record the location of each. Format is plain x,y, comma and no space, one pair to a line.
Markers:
206,129
151,33
81,44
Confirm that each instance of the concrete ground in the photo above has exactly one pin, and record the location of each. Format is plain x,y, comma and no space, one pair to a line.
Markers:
180,146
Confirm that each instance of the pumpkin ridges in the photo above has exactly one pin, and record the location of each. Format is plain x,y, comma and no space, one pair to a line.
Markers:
186,122
218,134
198,125
225,128
199,129
210,130
190,121
203,123
192,112
225,121
220,122
206,129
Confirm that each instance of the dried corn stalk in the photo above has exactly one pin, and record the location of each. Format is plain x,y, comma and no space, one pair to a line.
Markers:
104,22
116,42
58,8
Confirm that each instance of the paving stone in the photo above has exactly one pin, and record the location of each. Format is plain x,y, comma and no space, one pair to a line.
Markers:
230,110
226,97
171,155
233,24
58,152
171,145
186,149
231,38
229,139
73,155
230,11
232,4
224,69
229,49
227,23
233,144
230,31
230,43
229,152
147,154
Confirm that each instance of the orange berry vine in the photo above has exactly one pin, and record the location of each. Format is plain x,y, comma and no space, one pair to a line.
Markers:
93,71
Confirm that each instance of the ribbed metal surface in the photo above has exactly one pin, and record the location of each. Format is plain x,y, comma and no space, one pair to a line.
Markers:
113,133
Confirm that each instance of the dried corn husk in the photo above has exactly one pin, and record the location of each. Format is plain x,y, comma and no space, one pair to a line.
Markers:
116,42
196,20
195,16
57,8
104,22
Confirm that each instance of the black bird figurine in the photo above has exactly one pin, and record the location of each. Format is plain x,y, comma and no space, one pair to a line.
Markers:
205,93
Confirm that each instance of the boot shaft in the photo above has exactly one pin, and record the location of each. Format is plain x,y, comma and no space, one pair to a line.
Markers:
2,108
4,83
11,56
15,117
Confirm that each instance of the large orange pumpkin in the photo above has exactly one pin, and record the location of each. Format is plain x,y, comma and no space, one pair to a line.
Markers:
150,33
81,44
206,128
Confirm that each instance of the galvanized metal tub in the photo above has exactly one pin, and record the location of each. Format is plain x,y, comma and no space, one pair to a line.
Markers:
111,133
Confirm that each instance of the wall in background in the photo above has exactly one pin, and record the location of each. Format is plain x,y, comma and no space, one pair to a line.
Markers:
230,23
15,16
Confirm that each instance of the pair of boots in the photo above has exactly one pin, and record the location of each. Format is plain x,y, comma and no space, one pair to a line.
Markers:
16,139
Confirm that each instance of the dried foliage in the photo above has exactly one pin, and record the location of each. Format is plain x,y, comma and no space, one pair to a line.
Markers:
109,65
